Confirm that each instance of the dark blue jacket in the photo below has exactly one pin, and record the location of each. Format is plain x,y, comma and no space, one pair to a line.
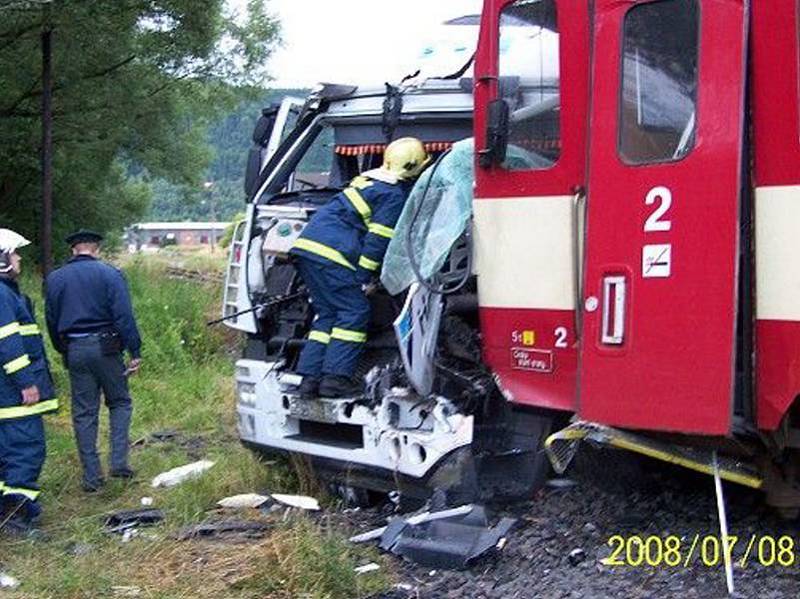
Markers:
22,358
89,296
354,228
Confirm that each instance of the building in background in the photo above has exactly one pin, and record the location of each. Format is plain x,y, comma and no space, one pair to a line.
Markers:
152,236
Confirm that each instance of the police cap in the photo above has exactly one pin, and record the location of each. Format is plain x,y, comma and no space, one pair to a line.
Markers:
83,236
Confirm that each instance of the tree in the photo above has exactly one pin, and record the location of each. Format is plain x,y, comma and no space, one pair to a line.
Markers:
136,83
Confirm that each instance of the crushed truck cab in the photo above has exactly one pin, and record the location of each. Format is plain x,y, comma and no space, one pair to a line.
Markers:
414,426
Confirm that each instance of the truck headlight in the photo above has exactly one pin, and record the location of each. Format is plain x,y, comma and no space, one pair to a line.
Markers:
247,394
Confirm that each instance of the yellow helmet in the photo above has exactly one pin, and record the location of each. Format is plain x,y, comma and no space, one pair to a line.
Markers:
405,158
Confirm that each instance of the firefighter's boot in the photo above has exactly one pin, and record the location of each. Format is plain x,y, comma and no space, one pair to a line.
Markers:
333,386
308,387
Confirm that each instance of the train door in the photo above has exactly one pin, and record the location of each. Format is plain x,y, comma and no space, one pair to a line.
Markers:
660,288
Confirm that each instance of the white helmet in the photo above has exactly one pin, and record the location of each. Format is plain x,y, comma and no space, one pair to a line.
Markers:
10,242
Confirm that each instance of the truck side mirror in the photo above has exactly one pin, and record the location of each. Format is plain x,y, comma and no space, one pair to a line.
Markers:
496,134
252,171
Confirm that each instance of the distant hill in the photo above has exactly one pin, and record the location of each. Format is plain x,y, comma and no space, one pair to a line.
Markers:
229,139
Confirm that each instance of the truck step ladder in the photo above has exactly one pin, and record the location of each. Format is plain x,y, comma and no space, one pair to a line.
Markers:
234,278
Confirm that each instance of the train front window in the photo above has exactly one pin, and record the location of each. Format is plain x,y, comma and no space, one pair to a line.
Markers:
529,83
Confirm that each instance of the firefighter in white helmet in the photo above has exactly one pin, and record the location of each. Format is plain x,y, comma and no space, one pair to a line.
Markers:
26,392
339,251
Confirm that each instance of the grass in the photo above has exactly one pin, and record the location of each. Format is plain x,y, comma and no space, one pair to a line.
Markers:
185,385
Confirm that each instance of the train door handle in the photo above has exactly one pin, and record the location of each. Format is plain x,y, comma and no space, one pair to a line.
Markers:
614,289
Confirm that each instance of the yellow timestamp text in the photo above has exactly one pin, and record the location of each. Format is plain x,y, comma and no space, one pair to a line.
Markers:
707,550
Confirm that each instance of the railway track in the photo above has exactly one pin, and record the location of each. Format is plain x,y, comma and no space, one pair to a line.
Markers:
188,274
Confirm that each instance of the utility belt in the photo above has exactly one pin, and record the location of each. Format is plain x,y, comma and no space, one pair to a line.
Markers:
109,339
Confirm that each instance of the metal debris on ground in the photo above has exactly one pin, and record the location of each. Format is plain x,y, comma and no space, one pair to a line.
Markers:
366,568
180,474
561,483
123,520
413,520
576,556
7,581
299,501
243,501
451,539
246,528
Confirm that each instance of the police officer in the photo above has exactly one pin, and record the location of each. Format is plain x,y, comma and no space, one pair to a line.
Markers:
338,253
26,392
90,321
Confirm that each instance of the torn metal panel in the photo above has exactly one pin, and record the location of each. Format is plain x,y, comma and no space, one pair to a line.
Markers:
451,542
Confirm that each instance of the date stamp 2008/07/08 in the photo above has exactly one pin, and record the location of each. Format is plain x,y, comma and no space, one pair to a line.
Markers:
674,551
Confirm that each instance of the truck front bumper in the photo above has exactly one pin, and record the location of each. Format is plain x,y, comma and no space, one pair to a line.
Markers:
344,431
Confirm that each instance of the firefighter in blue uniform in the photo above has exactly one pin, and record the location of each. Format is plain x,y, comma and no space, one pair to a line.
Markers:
26,392
338,253
91,323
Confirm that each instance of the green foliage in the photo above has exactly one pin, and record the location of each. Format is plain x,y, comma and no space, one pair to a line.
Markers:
227,235
136,83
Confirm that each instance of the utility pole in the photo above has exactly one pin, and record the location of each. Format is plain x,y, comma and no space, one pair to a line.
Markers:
47,150
209,187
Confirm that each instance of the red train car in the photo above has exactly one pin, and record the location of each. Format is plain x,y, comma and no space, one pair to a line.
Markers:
636,224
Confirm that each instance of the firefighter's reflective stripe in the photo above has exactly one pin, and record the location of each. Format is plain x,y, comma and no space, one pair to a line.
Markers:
319,337
9,329
368,264
348,335
42,407
381,230
17,364
360,182
31,494
323,250
29,329
360,204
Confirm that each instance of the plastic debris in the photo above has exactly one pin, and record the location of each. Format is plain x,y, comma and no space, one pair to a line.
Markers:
7,581
246,500
223,527
299,501
120,591
176,476
366,568
123,519
450,539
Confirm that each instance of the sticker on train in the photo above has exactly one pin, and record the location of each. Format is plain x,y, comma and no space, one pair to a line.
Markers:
533,360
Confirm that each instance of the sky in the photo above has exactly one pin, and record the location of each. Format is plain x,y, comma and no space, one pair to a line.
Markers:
357,41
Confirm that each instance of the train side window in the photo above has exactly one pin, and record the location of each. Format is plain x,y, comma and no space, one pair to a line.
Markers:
658,101
529,83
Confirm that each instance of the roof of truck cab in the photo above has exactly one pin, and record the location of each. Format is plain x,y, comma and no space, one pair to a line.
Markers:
431,96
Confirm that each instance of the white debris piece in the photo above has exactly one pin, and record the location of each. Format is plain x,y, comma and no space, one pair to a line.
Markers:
176,476
300,501
246,500
7,581
366,568
147,501
121,591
